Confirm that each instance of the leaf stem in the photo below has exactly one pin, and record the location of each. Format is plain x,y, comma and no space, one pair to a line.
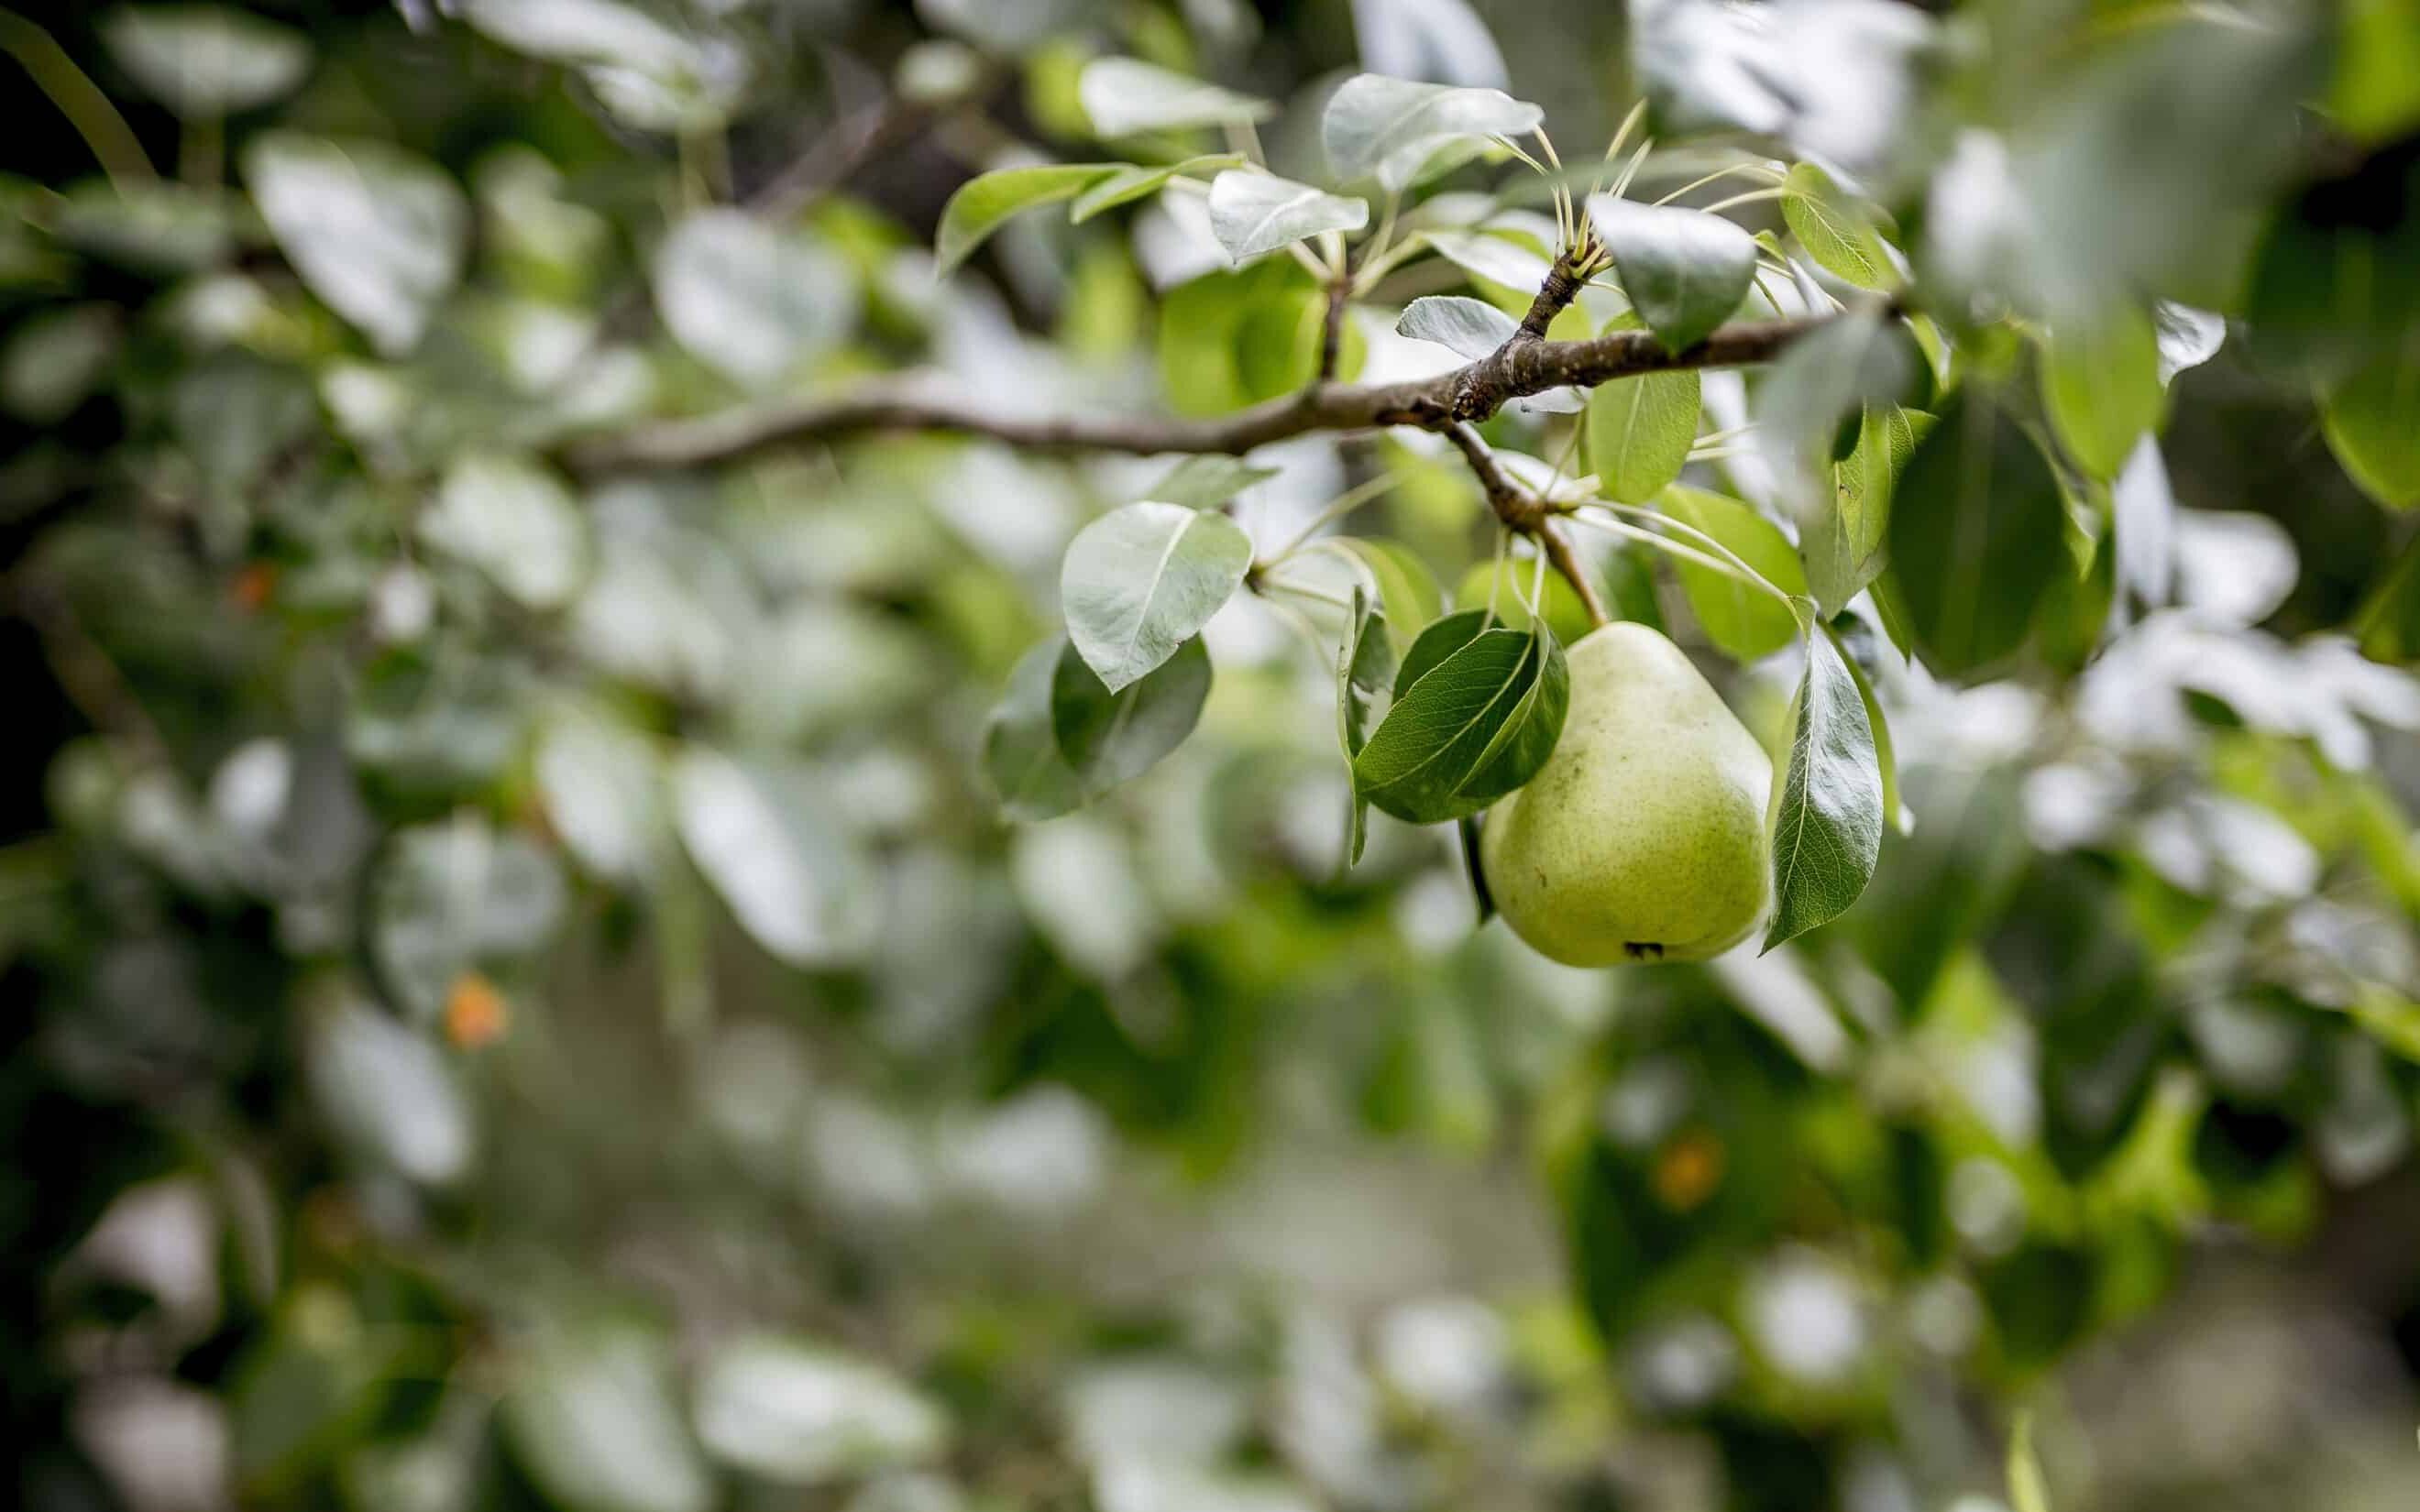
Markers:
90,110
1336,509
1675,548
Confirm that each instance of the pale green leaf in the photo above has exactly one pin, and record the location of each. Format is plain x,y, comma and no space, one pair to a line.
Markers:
1141,581
1020,743
1389,127
1743,620
790,874
1640,429
1837,233
1130,182
204,62
1128,96
1253,212
2372,421
375,232
747,299
983,205
1108,738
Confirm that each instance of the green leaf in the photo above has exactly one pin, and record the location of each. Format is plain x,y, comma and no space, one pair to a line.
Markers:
795,1414
1744,622
514,521
457,897
983,205
749,300
2388,625
1685,270
1020,744
2027,1490
1477,712
1640,429
1844,546
1106,738
1389,127
55,357
1487,582
1128,96
1253,212
1207,482
393,1101
603,788
377,233
790,875
1406,591
1886,759
1828,825
593,1416
2101,383
1836,232
1141,581
1232,338
2376,92
2372,421
1365,677
204,62
1977,531
1130,182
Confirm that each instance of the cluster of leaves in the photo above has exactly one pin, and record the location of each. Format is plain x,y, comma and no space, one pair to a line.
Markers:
543,935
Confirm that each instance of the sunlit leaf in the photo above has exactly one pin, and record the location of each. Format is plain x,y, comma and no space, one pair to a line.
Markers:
1128,96
1253,212
1685,270
1439,39
1827,823
1388,128
514,521
1207,482
387,1092
788,872
1471,329
1640,429
1141,581
457,897
603,786
795,1414
749,300
1130,182
592,1413
1976,533
982,206
1744,620
375,231
206,61
1837,233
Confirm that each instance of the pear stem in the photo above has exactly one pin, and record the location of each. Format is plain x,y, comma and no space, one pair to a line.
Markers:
1666,544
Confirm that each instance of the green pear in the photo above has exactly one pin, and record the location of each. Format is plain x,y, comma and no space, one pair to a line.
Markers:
1642,837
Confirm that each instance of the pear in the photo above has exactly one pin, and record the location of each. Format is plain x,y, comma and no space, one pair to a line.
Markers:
1642,837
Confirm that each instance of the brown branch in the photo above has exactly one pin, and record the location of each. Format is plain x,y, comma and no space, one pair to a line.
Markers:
1470,393
1522,510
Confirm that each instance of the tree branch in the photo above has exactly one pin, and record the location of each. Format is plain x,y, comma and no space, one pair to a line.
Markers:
1471,392
1522,510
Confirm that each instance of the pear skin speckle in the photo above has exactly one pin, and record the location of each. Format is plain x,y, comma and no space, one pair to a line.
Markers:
1643,838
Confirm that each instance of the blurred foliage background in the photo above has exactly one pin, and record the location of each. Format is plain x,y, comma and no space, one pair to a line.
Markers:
520,995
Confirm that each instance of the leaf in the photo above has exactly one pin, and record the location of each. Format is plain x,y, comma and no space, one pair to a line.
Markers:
1237,336
1440,39
792,878
1020,745
1389,127
1835,231
982,205
1253,212
1207,482
1492,259
2026,1492
1141,581
1128,96
1106,738
1365,677
1481,585
55,357
375,232
1685,270
592,1416
1843,544
1471,329
1744,622
1477,712
1886,759
603,789
388,1093
2372,421
2102,386
1828,825
1128,182
1640,429
514,521
795,1414
2188,337
1407,594
749,300
454,897
1977,532
204,62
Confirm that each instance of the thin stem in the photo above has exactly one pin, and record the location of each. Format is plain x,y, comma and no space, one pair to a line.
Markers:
1622,134
1279,585
1496,574
1337,508
1304,255
1751,197
1558,549
1756,169
1726,561
78,99
1621,182
1243,137
1514,149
